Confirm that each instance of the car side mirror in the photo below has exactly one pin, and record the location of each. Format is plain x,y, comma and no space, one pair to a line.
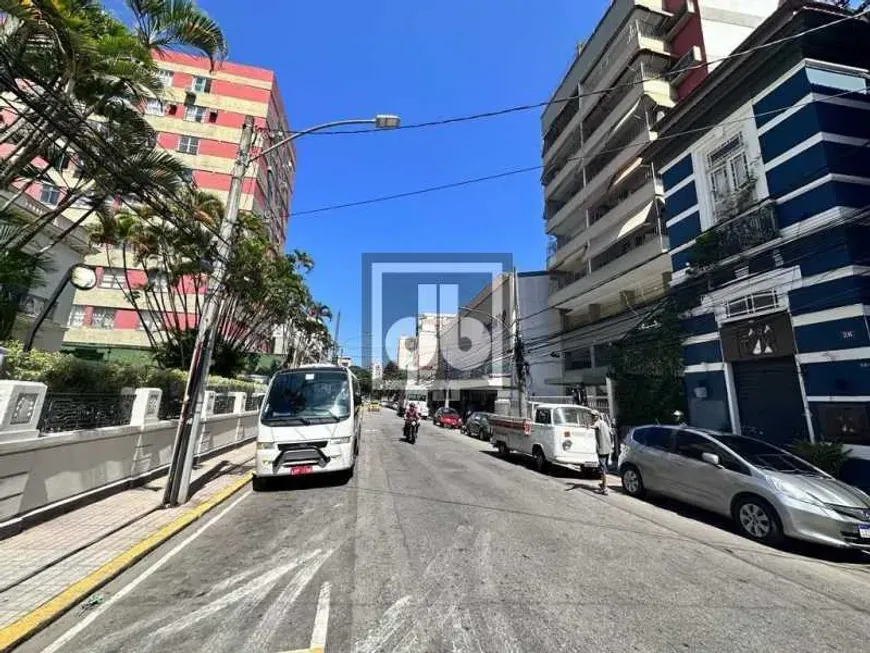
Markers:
711,459
357,400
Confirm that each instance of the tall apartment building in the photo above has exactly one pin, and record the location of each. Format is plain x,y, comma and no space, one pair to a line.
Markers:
199,119
430,326
603,207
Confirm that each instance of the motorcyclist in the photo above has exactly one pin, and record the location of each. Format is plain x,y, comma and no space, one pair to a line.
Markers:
411,415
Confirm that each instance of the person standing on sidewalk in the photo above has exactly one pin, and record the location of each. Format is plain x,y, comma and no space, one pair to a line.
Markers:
604,446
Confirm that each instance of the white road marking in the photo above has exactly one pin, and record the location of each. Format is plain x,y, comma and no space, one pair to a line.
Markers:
89,619
270,622
321,617
386,628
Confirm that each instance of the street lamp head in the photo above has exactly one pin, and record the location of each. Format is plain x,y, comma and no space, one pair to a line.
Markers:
386,121
83,277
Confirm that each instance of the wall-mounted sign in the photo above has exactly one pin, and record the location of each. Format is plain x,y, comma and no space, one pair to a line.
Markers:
769,336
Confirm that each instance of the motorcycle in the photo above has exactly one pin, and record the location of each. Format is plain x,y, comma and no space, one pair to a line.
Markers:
411,429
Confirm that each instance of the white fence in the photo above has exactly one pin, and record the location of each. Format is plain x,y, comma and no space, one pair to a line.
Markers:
53,473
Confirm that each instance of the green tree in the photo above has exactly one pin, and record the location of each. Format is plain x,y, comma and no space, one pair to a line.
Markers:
364,377
74,79
261,289
647,368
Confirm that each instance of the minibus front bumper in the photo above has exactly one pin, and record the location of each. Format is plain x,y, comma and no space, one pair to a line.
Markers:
295,458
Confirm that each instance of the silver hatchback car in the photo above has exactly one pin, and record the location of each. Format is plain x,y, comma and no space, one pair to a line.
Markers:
769,493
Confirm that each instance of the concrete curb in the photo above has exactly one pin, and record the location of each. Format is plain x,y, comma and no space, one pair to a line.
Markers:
36,620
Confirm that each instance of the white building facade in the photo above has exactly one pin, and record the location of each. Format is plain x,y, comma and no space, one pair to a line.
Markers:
608,255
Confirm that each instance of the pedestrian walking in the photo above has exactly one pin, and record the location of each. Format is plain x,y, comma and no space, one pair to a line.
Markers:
604,446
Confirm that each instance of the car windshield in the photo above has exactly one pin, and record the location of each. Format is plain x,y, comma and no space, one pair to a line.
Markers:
570,415
448,412
302,396
765,456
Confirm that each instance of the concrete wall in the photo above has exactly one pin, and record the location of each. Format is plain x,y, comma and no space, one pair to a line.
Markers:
537,322
37,473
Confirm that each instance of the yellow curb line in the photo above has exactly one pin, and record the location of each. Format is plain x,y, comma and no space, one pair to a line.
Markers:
40,617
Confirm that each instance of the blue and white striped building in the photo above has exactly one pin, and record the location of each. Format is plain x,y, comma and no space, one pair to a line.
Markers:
766,172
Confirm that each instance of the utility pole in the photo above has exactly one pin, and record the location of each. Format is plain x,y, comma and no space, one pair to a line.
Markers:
519,358
336,349
178,483
189,422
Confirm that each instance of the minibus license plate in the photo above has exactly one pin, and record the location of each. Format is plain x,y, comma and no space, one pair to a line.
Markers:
300,469
864,531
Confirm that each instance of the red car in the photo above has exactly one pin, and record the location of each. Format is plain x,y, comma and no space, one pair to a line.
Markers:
447,417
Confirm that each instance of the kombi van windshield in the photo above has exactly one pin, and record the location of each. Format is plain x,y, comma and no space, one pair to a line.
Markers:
306,397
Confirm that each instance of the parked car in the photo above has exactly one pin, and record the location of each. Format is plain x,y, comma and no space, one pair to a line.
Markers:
477,425
769,493
447,417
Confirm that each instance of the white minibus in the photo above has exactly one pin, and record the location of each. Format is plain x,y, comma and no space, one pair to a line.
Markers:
310,423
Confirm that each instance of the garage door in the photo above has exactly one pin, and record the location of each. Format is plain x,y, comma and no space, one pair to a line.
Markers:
769,400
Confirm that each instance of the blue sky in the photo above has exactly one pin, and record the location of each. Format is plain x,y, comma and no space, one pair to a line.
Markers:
423,61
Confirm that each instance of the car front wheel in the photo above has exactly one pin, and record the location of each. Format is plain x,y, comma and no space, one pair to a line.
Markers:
757,520
632,482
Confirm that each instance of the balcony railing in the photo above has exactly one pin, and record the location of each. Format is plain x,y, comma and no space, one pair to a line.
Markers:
746,231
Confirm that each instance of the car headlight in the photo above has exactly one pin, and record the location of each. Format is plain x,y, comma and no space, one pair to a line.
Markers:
265,446
341,440
794,492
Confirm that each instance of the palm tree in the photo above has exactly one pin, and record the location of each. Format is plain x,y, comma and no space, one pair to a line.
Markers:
64,63
180,24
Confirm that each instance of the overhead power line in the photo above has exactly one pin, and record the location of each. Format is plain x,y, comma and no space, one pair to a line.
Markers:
538,105
534,168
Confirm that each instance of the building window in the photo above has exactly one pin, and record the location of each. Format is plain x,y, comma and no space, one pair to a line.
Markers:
82,202
166,77
103,318
187,175
579,359
76,316
188,145
731,180
113,278
836,79
158,280
150,320
201,85
270,186
193,113
750,304
154,107
49,194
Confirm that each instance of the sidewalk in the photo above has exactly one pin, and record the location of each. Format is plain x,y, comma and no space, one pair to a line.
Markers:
45,560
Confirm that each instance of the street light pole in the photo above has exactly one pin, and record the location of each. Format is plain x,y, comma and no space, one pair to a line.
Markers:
190,420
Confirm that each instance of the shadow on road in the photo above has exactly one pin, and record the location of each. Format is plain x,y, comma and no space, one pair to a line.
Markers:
794,547
554,471
307,482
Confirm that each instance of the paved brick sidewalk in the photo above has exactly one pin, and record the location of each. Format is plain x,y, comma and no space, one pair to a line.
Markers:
42,561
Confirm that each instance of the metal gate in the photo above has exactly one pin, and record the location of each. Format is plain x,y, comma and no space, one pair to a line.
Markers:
769,400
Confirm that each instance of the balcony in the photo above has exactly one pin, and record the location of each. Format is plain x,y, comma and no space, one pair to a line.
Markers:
635,268
637,36
629,213
747,231
604,172
678,20
562,126
684,65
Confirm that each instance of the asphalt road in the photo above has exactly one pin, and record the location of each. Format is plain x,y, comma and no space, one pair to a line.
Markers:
443,547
